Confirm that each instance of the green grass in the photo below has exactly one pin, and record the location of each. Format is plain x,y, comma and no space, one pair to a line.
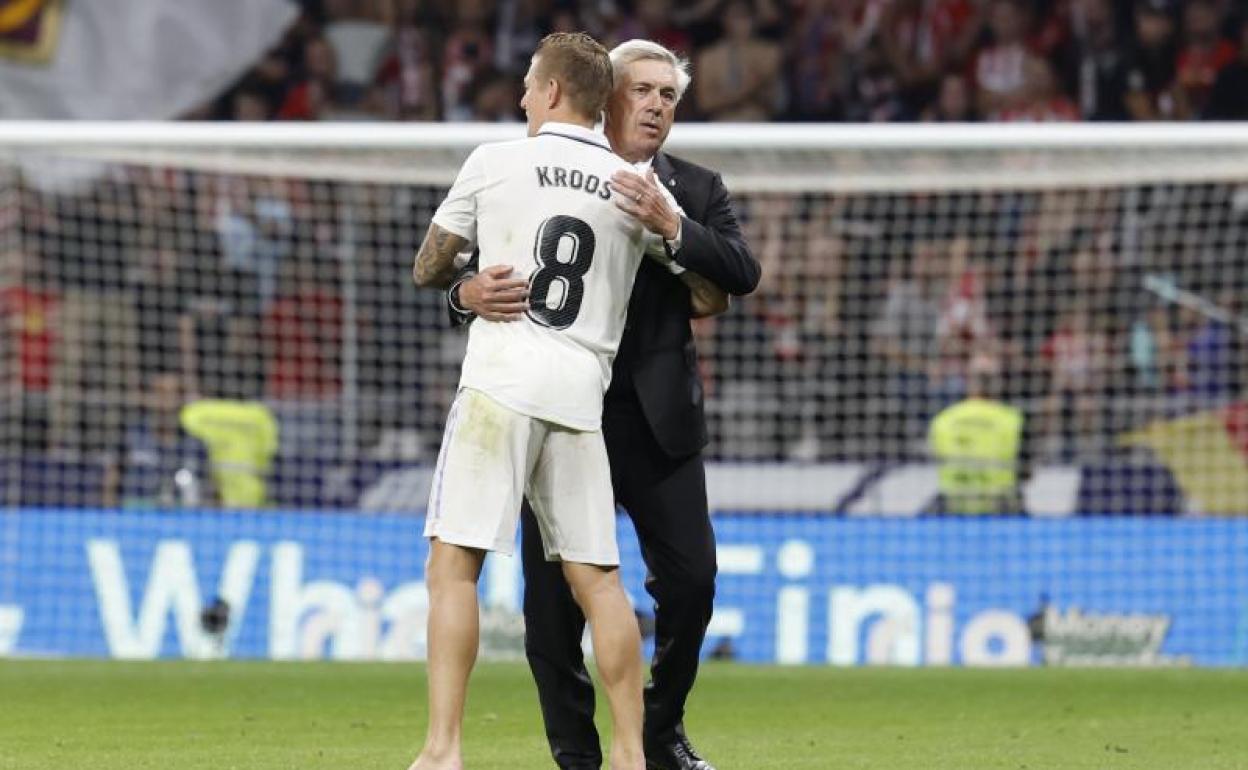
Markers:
240,716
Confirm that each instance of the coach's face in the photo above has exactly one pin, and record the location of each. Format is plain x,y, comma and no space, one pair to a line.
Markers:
641,109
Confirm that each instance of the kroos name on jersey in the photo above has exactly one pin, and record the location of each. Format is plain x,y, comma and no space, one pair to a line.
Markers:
557,176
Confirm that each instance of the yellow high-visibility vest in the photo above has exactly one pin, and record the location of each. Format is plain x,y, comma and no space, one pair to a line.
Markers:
241,437
977,442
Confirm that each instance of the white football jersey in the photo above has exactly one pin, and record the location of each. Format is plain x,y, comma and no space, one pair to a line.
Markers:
544,205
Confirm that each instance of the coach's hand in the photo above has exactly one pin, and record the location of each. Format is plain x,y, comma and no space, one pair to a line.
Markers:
643,199
493,296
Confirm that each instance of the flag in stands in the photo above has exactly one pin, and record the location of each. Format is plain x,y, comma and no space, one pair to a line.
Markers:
1208,454
126,60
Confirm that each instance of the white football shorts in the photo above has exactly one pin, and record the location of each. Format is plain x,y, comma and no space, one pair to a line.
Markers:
492,457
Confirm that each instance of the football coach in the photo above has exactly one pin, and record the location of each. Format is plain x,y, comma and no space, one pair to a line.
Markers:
653,421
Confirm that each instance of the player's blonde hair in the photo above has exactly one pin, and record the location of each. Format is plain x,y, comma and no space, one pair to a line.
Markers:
630,51
582,67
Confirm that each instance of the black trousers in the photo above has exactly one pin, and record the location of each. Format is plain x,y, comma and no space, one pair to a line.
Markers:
666,499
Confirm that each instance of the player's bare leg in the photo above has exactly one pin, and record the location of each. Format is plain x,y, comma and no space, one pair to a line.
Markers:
617,651
454,634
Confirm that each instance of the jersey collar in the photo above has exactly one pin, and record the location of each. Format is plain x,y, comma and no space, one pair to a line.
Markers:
573,131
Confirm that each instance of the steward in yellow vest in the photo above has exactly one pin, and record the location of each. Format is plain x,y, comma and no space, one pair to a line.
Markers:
241,437
977,443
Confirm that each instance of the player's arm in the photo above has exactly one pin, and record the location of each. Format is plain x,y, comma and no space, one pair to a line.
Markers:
435,262
456,310
453,228
707,298
491,294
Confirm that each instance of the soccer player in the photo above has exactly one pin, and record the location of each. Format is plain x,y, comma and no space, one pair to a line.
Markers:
527,419
652,422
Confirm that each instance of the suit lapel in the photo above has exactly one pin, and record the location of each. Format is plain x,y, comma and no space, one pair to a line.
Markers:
666,173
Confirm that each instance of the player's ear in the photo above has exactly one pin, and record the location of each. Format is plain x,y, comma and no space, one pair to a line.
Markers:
554,93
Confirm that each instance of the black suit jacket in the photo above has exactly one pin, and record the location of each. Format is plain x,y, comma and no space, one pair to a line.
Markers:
656,366
657,363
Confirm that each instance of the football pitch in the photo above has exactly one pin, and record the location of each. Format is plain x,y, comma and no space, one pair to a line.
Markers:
266,716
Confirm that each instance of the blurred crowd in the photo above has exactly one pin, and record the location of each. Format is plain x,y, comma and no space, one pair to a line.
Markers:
1096,310
875,310
771,60
155,288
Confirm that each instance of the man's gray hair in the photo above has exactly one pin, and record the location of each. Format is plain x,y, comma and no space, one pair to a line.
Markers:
630,51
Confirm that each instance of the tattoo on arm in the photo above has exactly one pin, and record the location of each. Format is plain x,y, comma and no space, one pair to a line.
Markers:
435,262
708,299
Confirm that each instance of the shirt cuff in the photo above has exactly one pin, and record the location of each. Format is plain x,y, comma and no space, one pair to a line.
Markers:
673,244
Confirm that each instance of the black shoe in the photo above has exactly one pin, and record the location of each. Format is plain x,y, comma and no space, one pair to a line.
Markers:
677,754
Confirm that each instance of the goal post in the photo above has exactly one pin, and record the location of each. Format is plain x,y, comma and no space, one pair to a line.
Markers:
1091,277
753,157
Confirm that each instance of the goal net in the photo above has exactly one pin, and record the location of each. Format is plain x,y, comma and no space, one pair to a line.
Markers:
208,318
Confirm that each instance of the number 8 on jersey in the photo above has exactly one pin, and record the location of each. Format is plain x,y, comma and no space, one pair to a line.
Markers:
557,308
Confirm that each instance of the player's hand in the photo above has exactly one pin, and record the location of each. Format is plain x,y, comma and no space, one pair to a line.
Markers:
642,198
491,295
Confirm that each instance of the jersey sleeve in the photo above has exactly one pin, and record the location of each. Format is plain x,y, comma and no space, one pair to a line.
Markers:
458,212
